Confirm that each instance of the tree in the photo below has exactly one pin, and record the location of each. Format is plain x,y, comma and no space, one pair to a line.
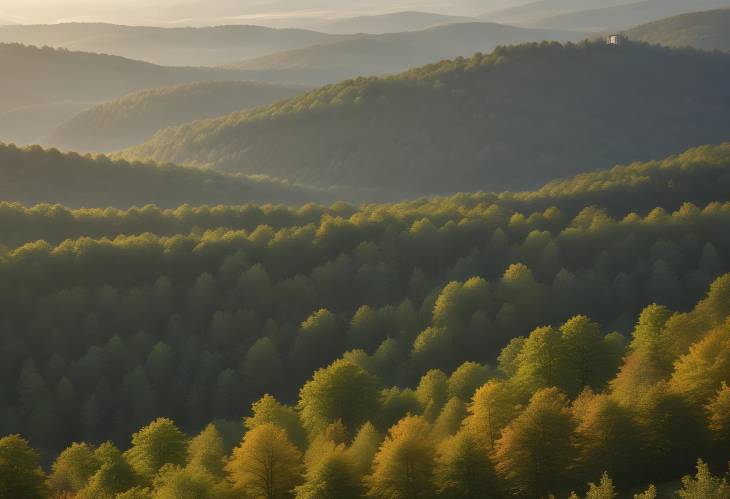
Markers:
20,472
464,470
364,447
541,362
492,407
432,393
466,379
404,465
174,482
584,353
266,464
649,493
73,468
206,451
535,450
262,367
449,420
269,410
698,374
604,490
719,415
341,391
704,485
155,445
114,476
606,438
332,475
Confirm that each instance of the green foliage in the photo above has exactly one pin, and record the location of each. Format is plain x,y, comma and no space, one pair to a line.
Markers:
704,485
485,116
20,472
341,391
156,445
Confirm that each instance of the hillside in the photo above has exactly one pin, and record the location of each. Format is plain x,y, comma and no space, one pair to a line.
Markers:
396,52
35,175
165,46
709,30
388,23
135,118
512,119
625,16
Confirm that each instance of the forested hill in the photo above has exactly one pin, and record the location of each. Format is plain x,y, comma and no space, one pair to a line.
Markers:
709,30
373,55
514,118
135,118
33,75
34,175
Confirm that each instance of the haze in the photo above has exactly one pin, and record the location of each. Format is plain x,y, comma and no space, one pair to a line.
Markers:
201,12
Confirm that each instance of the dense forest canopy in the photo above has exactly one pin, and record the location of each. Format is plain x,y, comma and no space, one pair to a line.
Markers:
135,118
32,175
708,30
194,313
515,118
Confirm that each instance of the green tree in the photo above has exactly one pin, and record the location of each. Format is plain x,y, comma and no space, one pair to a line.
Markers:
535,451
73,468
491,409
604,489
464,470
206,451
155,445
332,475
266,464
20,472
404,465
269,410
340,391
364,447
113,477
432,393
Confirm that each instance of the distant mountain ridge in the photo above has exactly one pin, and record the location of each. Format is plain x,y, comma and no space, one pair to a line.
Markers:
210,46
369,55
709,30
626,16
512,119
389,23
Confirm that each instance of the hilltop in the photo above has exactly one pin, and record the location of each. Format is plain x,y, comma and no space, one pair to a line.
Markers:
34,175
709,30
134,118
511,119
388,23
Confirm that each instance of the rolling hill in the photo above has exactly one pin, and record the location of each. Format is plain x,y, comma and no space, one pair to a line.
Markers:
625,16
514,118
41,88
709,30
388,23
396,52
165,46
34,175
135,118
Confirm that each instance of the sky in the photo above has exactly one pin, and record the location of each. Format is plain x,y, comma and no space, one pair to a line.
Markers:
201,12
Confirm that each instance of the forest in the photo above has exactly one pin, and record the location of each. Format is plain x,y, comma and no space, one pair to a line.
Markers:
135,118
442,334
504,274
511,119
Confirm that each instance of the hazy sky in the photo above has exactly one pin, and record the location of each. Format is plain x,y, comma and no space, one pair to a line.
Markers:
204,11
